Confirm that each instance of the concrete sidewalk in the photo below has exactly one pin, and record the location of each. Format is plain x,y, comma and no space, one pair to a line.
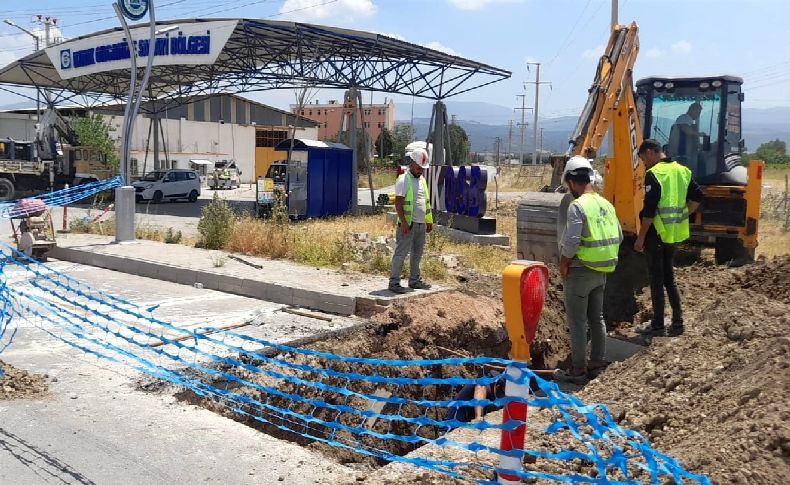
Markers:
276,281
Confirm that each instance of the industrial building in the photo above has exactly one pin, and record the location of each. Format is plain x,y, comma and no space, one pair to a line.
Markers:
195,134
329,117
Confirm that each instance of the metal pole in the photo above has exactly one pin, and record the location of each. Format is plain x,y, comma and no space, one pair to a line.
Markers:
614,13
132,87
612,25
38,47
366,143
352,140
439,118
535,112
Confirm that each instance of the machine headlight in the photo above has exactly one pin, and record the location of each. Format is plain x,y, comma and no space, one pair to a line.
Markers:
704,85
669,85
658,84
716,84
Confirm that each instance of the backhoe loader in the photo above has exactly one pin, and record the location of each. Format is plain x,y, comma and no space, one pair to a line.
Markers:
705,137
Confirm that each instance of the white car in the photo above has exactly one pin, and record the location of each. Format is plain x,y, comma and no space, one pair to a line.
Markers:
170,184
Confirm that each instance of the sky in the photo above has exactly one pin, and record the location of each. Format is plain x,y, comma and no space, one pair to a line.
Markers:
746,38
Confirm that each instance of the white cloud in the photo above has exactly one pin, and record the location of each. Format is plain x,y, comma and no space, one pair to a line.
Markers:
477,4
654,53
437,46
681,47
594,53
343,10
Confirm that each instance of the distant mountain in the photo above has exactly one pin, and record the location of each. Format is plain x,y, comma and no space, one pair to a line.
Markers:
487,113
763,125
759,126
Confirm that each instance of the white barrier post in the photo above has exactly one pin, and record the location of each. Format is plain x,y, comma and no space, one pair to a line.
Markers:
513,441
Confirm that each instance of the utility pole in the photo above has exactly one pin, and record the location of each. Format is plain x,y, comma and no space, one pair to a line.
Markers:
37,41
614,13
537,84
497,143
523,123
541,145
509,139
613,24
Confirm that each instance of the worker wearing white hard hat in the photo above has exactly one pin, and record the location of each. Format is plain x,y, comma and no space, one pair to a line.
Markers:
589,251
415,220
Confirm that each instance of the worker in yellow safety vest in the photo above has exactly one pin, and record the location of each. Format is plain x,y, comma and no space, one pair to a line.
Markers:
671,194
589,250
415,221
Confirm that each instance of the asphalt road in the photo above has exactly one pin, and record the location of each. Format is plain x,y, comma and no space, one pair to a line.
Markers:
97,427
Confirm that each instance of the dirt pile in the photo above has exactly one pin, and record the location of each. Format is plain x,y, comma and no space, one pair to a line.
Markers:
477,326
20,384
716,397
768,277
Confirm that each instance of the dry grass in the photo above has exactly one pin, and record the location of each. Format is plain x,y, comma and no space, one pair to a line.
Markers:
382,177
329,243
106,227
774,176
774,240
532,178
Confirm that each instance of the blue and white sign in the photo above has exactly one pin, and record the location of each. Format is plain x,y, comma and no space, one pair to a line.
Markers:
134,9
189,44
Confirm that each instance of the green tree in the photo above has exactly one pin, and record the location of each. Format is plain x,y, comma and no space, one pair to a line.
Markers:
362,145
93,132
402,135
459,145
384,143
772,152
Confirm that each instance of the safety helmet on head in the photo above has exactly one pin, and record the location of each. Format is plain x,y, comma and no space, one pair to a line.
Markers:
419,156
577,165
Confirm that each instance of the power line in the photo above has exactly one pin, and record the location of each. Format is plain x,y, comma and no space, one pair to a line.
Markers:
565,43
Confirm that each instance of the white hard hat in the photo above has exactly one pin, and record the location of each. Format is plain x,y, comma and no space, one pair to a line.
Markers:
419,156
577,165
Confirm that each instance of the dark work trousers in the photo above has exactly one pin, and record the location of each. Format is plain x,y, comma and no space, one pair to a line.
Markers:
661,257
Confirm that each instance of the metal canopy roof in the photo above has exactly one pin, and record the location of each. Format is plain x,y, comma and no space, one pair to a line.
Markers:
261,55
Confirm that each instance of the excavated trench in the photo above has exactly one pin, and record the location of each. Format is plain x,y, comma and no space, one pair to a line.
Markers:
445,325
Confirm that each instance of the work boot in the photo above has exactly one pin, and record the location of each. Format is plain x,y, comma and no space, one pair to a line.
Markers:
652,330
675,330
398,289
420,285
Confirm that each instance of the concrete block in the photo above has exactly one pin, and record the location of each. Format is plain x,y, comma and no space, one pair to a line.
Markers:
279,294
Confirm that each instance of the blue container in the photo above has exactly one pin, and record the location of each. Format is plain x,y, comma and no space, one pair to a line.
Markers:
328,175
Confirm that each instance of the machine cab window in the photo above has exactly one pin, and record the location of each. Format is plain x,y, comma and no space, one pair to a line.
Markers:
698,122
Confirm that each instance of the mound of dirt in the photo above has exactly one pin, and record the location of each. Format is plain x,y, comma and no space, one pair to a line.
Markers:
470,324
20,384
716,397
768,277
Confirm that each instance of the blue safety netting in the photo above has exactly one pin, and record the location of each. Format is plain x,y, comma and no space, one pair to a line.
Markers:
62,197
379,409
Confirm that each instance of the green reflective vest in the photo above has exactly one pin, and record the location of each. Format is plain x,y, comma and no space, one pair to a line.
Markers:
600,240
408,202
672,219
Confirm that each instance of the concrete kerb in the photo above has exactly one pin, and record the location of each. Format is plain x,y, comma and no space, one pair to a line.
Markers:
321,301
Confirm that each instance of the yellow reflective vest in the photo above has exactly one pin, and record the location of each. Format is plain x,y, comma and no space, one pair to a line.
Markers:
600,241
672,218
408,202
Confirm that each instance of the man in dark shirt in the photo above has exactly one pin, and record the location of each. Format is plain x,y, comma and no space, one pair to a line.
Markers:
671,195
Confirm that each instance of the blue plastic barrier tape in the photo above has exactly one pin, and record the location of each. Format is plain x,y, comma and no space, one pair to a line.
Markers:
62,197
333,399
